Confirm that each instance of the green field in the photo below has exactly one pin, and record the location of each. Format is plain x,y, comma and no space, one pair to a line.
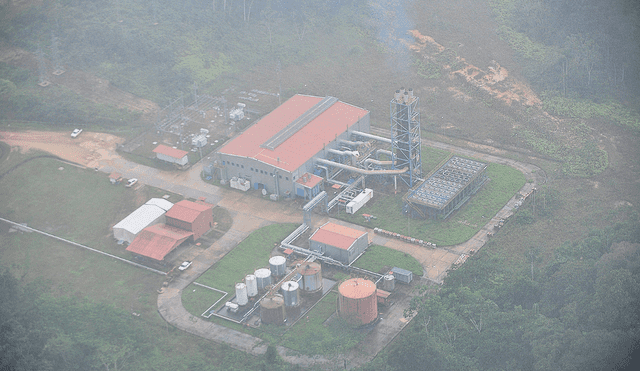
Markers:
377,257
316,335
74,203
504,182
197,299
249,255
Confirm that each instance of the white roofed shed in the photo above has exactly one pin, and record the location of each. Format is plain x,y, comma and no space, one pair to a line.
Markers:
152,212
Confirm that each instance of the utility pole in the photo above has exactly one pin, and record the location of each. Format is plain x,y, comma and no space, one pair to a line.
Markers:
42,69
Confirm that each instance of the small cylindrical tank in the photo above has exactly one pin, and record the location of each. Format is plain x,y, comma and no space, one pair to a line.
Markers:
291,294
272,310
241,294
357,301
278,265
388,282
263,278
252,285
311,277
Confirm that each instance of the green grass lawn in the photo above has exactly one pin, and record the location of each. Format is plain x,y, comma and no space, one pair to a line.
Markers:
314,336
377,257
504,182
73,203
197,299
249,255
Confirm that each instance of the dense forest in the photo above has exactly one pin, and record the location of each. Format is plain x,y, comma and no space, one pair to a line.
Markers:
578,310
587,48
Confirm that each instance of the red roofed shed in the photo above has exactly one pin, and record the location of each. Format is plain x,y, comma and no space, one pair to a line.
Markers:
191,216
158,240
339,242
172,155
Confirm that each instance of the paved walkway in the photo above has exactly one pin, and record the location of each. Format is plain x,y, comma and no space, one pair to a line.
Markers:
250,213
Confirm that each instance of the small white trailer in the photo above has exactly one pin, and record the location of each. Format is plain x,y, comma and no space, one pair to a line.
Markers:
360,200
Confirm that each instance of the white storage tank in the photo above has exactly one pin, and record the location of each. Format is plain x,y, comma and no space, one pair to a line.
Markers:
263,278
278,265
291,294
252,285
241,294
388,282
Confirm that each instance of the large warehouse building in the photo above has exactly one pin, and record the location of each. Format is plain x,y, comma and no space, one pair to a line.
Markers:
277,152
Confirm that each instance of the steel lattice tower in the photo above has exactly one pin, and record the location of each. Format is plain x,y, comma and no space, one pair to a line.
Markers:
405,131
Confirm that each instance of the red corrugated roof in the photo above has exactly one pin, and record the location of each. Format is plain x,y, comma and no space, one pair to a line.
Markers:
336,235
309,180
187,211
171,152
158,240
302,145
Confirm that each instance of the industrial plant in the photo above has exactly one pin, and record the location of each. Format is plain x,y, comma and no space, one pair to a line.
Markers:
305,149
310,144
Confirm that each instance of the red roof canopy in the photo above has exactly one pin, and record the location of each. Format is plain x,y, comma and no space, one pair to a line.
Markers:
337,235
187,211
303,144
158,240
309,180
171,152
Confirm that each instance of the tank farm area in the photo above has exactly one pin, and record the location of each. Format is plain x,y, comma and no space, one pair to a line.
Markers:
320,152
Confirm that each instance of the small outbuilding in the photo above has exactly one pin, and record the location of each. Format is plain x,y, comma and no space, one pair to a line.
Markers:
191,216
172,155
402,275
339,242
152,212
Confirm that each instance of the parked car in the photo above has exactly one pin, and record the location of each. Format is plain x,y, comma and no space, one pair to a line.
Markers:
75,133
131,182
184,265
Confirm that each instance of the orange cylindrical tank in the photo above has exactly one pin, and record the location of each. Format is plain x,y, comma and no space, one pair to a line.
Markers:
357,301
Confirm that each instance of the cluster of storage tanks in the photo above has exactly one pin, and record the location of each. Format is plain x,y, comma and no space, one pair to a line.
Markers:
282,301
276,307
357,299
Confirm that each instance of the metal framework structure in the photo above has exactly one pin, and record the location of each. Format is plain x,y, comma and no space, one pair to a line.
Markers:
405,131
447,189
171,117
58,69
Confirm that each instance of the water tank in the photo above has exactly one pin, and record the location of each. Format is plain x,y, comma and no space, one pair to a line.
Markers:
263,278
278,265
311,277
291,294
357,301
252,285
272,310
388,282
241,294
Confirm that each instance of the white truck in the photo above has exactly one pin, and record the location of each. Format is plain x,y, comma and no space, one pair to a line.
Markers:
360,200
